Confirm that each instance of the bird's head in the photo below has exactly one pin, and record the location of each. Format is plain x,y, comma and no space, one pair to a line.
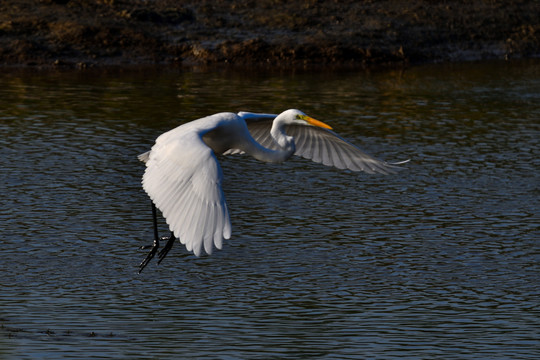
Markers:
294,116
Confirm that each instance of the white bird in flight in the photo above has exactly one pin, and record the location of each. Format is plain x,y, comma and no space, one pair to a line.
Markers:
183,177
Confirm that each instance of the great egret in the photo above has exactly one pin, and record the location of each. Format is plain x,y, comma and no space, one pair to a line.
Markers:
183,176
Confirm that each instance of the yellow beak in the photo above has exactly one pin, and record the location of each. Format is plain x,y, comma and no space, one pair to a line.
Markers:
314,122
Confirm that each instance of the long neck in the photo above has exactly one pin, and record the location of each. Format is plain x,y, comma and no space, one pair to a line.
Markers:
286,144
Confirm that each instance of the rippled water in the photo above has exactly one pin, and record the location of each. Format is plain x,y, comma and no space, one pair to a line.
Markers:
439,262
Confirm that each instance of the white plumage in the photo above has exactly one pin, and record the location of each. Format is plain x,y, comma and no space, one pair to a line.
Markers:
183,177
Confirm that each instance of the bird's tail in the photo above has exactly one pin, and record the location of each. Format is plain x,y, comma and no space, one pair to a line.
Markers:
144,156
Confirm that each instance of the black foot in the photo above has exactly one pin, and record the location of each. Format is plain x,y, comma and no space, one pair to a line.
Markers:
150,255
166,248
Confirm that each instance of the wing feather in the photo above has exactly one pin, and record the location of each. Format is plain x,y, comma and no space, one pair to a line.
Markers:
320,145
218,228
335,157
332,150
183,178
208,237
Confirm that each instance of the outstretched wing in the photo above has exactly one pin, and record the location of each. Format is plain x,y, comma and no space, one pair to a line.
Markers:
327,147
322,146
183,178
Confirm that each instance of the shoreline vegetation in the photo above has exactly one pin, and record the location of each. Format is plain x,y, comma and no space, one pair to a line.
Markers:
264,33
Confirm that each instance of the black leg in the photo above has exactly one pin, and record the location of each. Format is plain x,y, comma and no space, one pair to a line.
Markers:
166,248
154,217
155,246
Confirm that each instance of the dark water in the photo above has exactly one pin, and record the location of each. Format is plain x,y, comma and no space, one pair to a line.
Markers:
438,262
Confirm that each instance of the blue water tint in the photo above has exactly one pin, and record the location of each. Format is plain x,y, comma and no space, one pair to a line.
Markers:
439,261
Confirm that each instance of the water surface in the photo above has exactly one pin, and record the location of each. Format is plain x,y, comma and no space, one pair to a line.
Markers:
437,262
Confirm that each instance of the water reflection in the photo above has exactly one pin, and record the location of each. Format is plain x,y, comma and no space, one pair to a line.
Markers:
440,261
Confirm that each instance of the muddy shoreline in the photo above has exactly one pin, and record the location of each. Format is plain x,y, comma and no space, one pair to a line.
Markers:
269,33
